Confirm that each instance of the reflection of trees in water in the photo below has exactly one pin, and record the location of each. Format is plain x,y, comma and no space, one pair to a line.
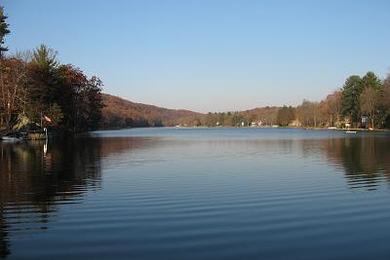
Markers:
4,244
365,160
31,177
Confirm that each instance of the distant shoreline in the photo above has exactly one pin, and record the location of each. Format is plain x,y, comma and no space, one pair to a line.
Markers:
237,127
247,127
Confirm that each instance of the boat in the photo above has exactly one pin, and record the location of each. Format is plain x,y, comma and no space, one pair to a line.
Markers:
351,132
10,139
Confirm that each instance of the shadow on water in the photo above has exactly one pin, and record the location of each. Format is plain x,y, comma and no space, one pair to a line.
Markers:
36,177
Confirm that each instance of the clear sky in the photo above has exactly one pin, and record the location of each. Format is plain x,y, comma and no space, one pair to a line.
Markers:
210,55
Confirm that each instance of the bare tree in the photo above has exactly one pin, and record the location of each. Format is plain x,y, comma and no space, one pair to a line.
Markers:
12,89
368,103
331,107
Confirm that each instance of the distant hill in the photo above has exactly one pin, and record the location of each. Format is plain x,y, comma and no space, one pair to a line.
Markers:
119,113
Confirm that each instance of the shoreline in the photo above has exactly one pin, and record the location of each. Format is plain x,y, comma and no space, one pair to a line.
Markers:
249,127
221,127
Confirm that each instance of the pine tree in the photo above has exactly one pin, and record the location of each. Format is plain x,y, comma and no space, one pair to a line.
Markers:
3,31
350,104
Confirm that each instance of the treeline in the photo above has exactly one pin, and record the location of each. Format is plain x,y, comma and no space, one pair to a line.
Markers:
36,90
255,117
362,102
121,113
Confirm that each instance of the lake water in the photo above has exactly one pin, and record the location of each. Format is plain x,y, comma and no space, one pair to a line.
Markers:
170,193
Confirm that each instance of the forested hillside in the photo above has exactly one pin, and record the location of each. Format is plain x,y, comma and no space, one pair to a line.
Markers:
119,113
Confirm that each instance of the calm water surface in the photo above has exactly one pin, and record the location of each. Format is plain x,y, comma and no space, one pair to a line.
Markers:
197,194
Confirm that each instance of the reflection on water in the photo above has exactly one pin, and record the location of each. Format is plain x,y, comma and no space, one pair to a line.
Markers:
37,179
33,180
365,161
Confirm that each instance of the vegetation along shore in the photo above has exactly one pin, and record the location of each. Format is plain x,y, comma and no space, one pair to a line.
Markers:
39,93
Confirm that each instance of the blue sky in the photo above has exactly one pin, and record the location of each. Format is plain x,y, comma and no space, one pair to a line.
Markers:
210,55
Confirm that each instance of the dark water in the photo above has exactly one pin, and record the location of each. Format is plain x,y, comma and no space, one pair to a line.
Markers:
197,194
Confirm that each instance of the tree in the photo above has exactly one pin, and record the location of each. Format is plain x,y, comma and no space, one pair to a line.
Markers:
62,92
55,114
331,107
385,100
350,101
3,31
45,57
285,116
44,88
35,85
72,81
369,101
370,96
13,94
79,98
93,104
308,113
237,119
43,76
370,80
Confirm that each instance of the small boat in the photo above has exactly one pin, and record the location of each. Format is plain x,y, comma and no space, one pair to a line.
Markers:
350,132
10,139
